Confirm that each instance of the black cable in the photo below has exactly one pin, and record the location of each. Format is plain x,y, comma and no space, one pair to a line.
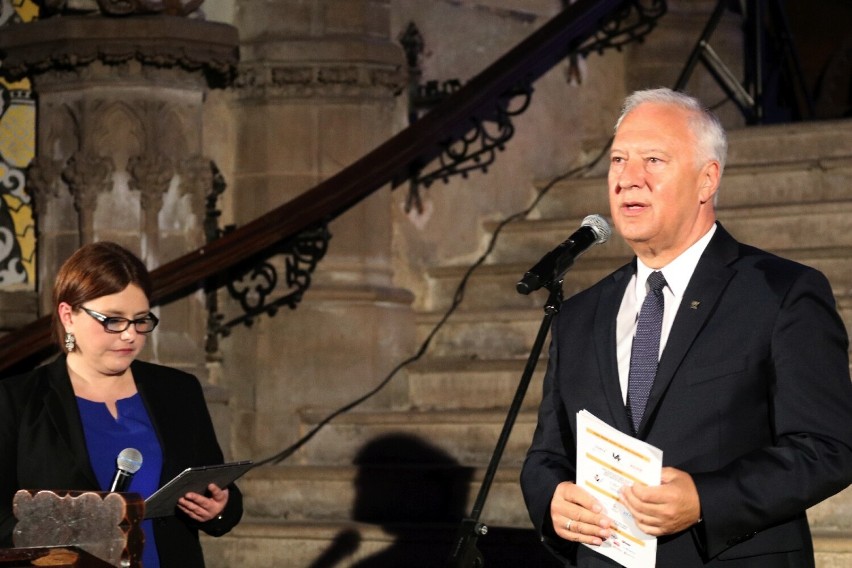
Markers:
458,297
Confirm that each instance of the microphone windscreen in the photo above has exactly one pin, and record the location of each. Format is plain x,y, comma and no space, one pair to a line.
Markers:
129,460
599,227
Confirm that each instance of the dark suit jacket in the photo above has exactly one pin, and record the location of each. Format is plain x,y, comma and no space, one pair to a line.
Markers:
42,446
752,398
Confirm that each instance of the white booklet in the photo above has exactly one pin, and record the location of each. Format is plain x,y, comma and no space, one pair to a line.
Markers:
607,460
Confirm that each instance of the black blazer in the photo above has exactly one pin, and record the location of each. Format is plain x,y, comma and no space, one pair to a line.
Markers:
42,446
752,398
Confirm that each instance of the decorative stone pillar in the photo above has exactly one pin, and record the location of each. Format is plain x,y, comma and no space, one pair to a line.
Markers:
120,88
87,176
316,91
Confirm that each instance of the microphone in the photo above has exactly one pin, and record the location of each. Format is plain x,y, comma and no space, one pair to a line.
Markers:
554,264
127,463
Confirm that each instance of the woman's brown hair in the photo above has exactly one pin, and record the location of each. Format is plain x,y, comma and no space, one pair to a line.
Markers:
95,270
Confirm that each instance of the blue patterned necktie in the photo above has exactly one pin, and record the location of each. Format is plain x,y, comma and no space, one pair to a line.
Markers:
646,349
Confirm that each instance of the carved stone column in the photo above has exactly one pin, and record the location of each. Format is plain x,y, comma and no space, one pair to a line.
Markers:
151,174
87,176
119,134
316,91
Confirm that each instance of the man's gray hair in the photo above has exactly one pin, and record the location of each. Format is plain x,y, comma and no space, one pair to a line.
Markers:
708,131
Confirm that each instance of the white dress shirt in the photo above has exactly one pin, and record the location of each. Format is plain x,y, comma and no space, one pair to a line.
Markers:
677,274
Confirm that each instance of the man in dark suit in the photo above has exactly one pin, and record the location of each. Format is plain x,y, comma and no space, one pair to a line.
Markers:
750,399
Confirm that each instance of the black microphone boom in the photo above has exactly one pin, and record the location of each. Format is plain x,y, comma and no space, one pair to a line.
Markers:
554,264
127,463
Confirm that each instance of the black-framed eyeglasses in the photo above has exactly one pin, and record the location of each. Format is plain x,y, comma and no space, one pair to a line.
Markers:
117,325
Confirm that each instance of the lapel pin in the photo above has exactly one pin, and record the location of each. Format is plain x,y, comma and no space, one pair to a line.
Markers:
694,304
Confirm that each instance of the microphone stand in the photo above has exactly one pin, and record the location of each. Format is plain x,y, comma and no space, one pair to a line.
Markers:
465,554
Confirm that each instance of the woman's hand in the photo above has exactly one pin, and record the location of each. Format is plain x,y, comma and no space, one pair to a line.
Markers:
202,508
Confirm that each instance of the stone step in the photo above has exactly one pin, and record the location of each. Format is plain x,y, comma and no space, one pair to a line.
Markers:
347,544
504,334
456,383
793,142
448,436
795,229
433,492
482,334
304,514
439,492
492,287
816,180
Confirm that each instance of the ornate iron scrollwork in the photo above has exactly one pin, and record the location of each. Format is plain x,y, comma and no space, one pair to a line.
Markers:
477,148
631,23
256,288
422,96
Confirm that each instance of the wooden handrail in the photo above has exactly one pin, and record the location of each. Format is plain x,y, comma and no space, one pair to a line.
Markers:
393,162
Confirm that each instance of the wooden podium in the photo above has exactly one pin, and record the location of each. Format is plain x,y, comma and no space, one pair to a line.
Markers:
56,557
91,529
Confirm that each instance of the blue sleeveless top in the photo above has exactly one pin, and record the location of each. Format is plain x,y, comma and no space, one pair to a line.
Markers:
107,436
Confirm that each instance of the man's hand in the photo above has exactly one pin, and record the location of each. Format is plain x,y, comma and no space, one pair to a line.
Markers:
577,516
667,508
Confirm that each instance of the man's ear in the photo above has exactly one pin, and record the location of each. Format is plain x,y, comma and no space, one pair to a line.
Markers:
709,181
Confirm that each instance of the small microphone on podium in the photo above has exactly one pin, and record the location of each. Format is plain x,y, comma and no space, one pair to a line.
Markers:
551,267
127,463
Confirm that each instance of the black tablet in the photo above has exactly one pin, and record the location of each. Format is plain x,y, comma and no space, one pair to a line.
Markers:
162,503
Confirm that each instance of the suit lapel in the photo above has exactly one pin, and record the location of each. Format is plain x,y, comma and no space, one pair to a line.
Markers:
605,340
61,405
148,391
706,286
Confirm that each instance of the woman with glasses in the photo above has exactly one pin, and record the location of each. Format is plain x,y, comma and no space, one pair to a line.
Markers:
63,425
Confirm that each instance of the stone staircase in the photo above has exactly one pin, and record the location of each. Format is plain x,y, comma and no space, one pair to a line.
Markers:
387,488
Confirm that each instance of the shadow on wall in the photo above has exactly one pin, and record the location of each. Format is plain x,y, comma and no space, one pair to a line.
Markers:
419,494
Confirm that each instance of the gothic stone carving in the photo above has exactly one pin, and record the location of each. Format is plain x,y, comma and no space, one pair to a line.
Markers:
118,7
162,41
262,80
